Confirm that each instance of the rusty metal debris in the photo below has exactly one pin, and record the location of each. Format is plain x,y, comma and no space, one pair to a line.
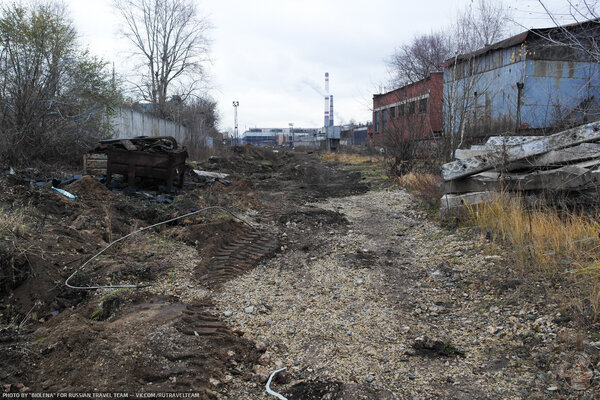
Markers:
152,144
159,158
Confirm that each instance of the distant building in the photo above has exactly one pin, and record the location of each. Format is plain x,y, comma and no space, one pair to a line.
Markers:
354,135
414,110
278,136
262,136
528,81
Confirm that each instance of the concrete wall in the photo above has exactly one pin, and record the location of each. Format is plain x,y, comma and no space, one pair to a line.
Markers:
129,123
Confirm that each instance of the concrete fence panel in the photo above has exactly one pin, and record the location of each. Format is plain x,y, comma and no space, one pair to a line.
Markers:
130,123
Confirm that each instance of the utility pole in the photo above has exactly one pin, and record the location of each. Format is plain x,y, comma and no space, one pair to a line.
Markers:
235,131
291,124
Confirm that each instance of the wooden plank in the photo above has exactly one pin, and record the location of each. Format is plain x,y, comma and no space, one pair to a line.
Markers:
95,172
97,156
571,137
209,174
96,163
128,145
571,177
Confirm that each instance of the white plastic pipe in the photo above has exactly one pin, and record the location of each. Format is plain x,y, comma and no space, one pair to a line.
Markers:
272,393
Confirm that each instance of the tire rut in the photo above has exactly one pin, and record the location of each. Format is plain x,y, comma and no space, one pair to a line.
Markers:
235,258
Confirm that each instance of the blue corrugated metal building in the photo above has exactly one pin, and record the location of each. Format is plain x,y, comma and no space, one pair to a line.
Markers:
529,81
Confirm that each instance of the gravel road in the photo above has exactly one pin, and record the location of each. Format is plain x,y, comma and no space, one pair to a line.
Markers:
382,303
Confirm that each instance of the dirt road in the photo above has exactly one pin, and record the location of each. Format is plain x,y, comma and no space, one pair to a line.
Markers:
389,305
342,279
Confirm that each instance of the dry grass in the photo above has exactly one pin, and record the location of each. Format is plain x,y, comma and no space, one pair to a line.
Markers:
418,182
424,186
351,158
370,166
13,222
549,244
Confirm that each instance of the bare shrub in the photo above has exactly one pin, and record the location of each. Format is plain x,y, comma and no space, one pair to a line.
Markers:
54,97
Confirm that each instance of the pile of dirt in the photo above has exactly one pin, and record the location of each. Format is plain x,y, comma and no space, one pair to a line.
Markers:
315,390
16,358
249,161
150,343
324,182
48,260
159,338
315,217
333,390
89,188
14,268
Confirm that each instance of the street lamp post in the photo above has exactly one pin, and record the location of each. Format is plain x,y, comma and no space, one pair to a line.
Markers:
292,132
235,131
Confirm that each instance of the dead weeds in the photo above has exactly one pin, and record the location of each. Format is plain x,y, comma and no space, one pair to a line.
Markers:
549,245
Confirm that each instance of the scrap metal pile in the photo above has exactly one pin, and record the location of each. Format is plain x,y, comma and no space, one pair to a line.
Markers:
562,165
158,158
157,144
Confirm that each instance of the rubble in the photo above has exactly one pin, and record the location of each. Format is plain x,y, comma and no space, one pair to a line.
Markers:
532,166
332,262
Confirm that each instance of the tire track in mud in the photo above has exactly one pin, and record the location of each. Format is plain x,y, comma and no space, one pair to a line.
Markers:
197,321
237,257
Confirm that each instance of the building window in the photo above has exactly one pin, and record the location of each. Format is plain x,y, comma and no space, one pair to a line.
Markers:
410,108
423,106
376,121
383,118
392,113
400,110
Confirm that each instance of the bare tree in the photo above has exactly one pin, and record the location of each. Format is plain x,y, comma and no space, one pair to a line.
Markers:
478,25
169,38
416,60
584,41
54,97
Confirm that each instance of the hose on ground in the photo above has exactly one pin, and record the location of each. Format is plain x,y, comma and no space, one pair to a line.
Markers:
272,393
136,232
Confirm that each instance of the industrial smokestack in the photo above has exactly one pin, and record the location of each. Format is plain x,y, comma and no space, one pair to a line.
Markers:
326,119
330,110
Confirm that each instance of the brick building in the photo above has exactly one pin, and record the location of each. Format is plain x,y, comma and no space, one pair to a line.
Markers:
412,111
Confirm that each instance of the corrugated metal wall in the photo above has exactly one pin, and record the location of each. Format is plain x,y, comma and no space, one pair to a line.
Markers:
129,123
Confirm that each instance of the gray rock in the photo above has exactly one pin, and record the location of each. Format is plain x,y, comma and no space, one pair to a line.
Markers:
249,309
227,314
260,346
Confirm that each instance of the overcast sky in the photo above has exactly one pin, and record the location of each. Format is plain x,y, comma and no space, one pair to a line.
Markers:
271,55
